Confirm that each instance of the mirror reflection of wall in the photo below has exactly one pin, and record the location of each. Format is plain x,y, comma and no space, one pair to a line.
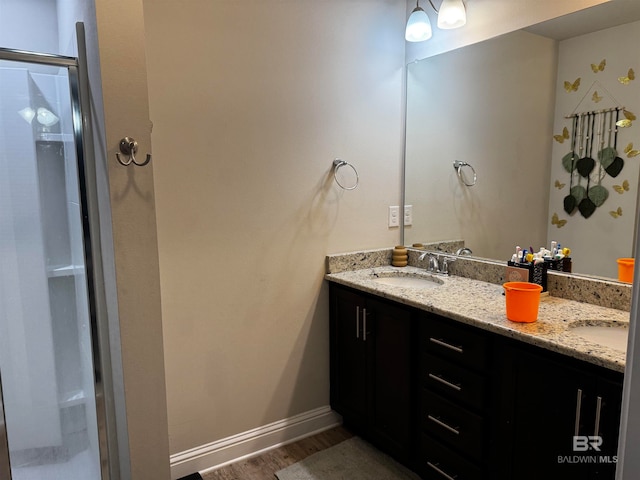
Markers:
496,105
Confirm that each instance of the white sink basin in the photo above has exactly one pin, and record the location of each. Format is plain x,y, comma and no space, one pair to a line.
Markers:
407,280
612,336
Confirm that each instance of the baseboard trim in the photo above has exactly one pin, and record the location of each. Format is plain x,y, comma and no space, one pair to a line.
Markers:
252,442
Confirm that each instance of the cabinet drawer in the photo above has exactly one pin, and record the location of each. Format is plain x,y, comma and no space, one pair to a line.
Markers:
452,381
437,462
453,341
452,424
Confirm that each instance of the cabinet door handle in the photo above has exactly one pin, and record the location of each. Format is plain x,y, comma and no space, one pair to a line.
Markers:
364,324
441,472
446,345
437,378
437,421
598,412
578,408
358,321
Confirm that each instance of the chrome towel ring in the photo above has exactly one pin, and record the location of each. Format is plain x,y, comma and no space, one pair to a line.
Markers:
337,165
457,165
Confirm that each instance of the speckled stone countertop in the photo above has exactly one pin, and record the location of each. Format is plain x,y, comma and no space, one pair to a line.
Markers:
482,304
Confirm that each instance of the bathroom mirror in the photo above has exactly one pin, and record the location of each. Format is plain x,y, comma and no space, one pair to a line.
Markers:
500,105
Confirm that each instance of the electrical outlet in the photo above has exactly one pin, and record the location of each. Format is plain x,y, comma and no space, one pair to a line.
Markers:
394,216
408,215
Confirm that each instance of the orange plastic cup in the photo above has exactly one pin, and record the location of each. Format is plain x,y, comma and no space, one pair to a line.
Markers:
625,269
523,300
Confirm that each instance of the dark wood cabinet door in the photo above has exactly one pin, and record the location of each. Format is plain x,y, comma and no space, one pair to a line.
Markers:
348,356
548,400
391,376
609,399
554,399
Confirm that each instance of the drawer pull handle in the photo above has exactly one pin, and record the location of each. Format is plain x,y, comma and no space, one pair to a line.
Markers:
441,472
446,345
438,378
364,324
437,421
598,412
578,408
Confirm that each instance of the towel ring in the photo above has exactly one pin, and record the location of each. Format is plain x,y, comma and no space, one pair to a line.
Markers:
457,165
337,165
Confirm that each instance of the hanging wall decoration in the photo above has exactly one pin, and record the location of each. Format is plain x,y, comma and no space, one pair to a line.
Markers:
593,154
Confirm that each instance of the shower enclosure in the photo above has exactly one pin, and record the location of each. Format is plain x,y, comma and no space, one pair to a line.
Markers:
52,419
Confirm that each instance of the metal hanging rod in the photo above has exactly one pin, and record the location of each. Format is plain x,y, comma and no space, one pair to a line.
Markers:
593,112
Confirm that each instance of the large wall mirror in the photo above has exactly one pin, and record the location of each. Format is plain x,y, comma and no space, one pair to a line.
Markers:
505,107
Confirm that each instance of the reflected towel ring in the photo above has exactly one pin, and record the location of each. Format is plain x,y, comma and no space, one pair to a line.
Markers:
458,167
337,164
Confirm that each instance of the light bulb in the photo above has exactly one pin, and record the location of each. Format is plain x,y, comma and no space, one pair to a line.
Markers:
452,14
27,113
46,117
418,26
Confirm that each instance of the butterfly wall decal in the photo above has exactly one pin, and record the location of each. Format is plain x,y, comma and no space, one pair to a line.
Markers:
630,151
622,188
629,115
572,87
557,222
624,123
563,137
616,213
559,185
631,75
599,67
596,98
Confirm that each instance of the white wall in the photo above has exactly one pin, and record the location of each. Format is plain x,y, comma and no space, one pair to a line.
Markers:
251,102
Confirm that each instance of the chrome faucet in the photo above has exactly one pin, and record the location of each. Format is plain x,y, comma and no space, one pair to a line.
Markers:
463,251
434,264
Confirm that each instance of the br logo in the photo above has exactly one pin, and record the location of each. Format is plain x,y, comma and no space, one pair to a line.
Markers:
584,443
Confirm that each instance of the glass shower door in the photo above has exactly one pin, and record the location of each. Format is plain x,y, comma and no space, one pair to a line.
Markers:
46,356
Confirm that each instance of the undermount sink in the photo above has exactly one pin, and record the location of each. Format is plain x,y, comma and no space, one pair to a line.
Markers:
610,334
407,280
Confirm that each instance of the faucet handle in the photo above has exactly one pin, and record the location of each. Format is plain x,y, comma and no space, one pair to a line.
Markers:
445,264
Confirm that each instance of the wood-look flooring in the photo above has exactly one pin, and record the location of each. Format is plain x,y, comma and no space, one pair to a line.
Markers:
263,467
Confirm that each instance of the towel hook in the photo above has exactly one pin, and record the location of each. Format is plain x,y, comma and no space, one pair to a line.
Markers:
129,146
337,165
458,167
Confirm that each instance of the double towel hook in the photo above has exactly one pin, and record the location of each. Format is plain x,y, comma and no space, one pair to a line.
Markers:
129,146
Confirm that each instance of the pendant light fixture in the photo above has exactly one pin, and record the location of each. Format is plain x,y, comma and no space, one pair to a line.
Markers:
452,14
418,26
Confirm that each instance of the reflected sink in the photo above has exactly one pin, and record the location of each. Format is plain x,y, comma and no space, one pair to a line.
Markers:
612,335
399,279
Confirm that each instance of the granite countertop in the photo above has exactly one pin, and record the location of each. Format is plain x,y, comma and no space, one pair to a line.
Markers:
482,304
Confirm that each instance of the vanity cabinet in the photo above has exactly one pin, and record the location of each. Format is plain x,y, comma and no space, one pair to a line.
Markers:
372,368
547,399
453,415
452,400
